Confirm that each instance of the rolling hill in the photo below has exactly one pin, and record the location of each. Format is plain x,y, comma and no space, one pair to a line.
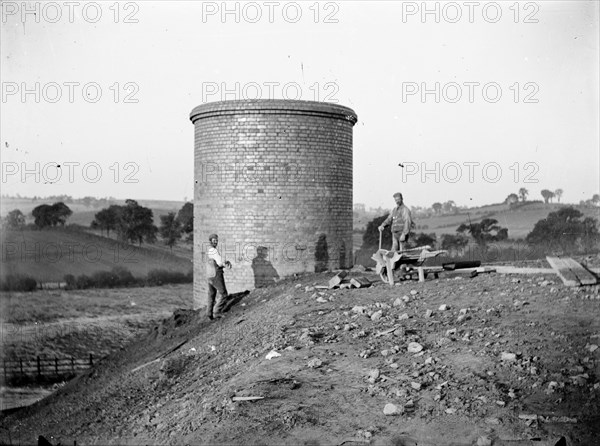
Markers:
47,255
519,221
82,214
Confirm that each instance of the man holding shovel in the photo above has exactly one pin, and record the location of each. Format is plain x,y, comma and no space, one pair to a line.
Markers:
401,222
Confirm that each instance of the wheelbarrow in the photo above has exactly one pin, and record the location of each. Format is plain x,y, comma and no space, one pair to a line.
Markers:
402,264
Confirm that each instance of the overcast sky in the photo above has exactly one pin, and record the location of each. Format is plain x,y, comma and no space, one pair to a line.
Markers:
511,92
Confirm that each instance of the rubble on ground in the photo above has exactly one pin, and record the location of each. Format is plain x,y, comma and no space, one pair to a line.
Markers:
488,353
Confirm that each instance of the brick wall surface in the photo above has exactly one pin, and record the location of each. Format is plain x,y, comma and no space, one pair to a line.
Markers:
273,178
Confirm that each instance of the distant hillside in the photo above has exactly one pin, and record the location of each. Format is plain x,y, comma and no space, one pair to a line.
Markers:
519,221
83,215
48,255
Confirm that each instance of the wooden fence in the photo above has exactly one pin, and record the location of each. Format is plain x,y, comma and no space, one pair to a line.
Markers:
45,368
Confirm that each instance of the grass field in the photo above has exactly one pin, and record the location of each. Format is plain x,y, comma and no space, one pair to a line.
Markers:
49,306
48,255
78,322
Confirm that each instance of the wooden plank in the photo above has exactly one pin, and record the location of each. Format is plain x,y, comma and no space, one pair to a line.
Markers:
390,269
433,269
584,276
247,398
564,271
516,270
485,269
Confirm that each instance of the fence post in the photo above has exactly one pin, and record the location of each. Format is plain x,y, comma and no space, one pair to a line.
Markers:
72,365
39,366
91,361
21,366
56,366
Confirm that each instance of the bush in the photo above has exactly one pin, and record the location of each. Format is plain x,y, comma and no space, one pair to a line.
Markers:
454,241
71,282
161,277
565,231
120,276
104,279
83,282
422,239
18,282
123,276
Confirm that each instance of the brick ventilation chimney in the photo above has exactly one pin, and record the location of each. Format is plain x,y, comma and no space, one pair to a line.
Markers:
273,178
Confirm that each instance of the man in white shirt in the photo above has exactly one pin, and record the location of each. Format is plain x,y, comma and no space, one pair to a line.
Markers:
216,281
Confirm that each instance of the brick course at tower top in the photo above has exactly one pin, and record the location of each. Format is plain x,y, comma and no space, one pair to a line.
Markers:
274,179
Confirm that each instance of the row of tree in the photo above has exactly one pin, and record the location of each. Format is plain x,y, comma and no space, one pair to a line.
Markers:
449,207
45,215
547,195
134,223
86,201
131,222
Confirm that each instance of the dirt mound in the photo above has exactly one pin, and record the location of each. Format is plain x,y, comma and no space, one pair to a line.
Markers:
497,359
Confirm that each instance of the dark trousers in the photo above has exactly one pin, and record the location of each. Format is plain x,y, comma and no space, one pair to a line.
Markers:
215,284
397,245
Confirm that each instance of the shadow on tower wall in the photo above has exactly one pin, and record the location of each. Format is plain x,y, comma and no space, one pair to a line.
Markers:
264,272
342,253
321,254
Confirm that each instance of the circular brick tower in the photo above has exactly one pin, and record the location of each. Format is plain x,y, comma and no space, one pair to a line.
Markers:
273,178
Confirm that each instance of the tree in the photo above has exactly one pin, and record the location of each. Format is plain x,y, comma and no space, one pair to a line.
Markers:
51,215
437,207
41,216
136,223
170,229
15,220
596,199
566,229
186,218
107,219
451,241
547,194
523,194
558,193
371,235
60,213
422,239
485,231
511,199
449,206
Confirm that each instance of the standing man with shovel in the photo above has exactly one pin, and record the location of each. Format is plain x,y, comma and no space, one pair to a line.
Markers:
401,222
